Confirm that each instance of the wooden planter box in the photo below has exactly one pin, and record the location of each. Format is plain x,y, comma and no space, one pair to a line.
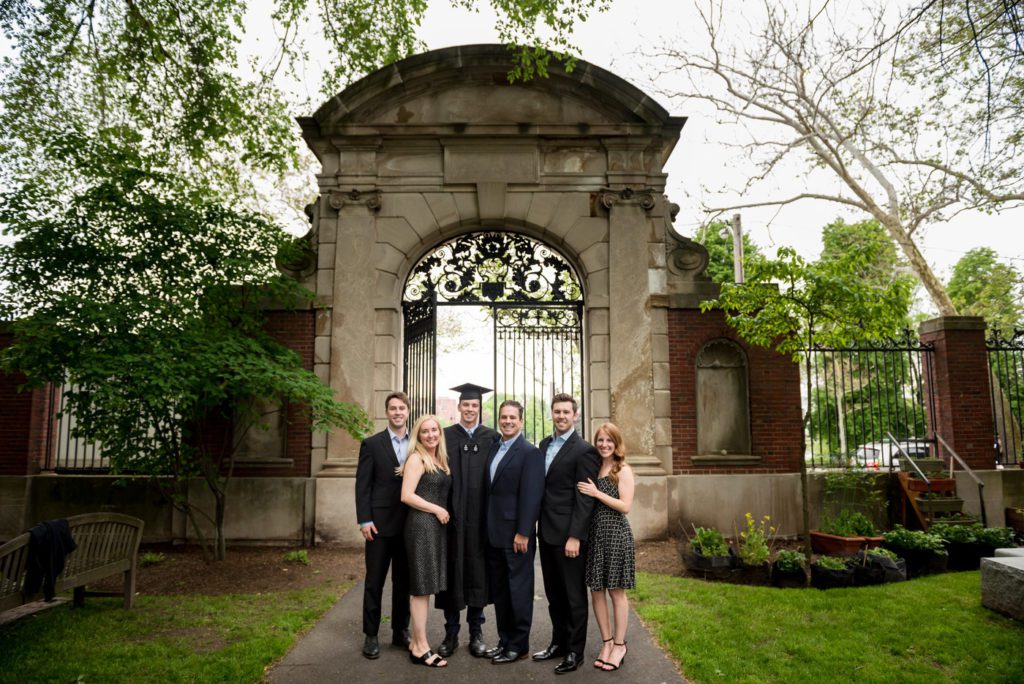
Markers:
939,484
1015,520
832,545
943,505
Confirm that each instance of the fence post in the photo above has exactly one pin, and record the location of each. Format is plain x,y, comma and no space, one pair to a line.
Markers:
962,412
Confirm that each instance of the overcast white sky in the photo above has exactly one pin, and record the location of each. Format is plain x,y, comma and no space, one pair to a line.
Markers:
614,40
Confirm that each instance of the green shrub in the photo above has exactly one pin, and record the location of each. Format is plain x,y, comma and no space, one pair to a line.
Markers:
790,561
754,541
299,556
915,540
963,534
883,553
849,524
707,541
831,563
151,558
998,537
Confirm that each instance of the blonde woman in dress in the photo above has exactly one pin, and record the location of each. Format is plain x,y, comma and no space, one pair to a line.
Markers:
426,480
611,565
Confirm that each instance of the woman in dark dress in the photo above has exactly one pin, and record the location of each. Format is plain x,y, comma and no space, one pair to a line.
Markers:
426,480
611,566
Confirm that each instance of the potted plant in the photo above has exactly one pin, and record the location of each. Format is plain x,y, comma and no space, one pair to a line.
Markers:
754,550
845,534
878,566
831,572
924,553
935,504
708,551
1015,519
992,538
962,543
853,500
789,569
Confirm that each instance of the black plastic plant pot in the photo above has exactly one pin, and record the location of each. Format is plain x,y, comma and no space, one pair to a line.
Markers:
822,578
922,561
788,579
751,574
967,555
697,561
878,570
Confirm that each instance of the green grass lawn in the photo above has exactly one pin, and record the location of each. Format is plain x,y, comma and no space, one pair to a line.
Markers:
932,629
163,639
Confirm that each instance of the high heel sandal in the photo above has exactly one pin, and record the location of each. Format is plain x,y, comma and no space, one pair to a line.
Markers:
611,667
599,664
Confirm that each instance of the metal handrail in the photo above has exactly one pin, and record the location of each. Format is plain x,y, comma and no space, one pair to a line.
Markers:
967,469
905,455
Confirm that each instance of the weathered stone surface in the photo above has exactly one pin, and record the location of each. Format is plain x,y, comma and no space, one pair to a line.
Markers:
442,205
336,511
595,258
598,348
574,160
398,233
721,500
1002,586
412,207
490,163
466,204
387,258
517,206
585,232
1015,552
571,208
649,515
491,200
542,207
411,160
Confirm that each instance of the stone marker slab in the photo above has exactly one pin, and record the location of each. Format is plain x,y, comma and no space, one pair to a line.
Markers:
1002,586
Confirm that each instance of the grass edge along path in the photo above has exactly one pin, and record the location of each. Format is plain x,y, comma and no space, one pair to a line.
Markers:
187,638
932,629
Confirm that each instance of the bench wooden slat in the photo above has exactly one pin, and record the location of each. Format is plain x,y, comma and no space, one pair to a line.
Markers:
107,544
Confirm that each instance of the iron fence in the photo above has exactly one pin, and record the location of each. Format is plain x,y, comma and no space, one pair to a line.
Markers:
1006,372
68,453
855,395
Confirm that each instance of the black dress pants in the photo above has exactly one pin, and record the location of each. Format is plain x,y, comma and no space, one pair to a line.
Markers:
381,553
566,590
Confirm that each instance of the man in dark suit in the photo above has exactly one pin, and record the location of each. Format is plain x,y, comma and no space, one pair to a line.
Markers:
564,523
469,444
381,516
516,483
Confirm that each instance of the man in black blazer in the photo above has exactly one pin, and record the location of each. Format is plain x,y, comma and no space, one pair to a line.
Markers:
381,517
564,524
515,485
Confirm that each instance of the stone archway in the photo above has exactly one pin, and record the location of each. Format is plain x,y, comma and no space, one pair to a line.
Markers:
440,144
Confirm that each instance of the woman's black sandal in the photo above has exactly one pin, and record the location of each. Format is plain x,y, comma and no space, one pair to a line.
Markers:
422,660
598,663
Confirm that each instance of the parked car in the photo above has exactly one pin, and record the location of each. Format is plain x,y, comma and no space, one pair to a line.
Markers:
881,454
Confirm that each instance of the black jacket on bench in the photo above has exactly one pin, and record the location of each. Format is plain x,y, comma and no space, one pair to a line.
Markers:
49,544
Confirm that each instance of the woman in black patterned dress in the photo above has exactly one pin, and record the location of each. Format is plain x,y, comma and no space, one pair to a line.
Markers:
611,566
426,480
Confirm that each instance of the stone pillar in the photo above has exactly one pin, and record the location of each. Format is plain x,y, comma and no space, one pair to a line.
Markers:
631,329
961,389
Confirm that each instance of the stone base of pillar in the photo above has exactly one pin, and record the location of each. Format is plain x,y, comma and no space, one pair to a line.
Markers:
345,467
649,515
335,516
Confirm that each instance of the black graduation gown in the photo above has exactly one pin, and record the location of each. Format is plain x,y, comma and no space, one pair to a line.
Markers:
467,533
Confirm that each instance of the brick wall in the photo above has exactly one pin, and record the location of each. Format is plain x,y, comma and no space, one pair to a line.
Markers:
776,429
960,383
24,416
295,330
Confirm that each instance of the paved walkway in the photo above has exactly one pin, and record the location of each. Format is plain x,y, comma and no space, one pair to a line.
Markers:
330,652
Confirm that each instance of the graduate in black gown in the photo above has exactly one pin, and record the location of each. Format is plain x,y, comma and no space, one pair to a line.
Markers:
468,443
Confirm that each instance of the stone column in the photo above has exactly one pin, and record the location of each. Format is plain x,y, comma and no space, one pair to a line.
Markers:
961,389
631,327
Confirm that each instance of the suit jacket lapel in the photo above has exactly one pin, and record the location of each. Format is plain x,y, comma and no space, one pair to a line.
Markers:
569,443
389,447
504,459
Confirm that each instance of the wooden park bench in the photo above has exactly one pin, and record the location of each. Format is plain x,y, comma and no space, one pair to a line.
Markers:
108,544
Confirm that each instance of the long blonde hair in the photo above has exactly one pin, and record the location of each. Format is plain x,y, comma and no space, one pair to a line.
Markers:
619,453
430,465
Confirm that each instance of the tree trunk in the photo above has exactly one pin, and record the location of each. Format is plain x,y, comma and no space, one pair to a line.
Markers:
919,265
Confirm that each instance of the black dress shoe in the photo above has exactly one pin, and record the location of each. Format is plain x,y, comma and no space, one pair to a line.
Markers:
371,649
569,664
477,647
401,638
493,652
507,657
448,646
552,651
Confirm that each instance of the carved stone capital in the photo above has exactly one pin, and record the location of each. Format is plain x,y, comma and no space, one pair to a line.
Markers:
643,197
338,199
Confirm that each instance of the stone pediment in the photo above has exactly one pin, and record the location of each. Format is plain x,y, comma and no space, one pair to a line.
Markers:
467,86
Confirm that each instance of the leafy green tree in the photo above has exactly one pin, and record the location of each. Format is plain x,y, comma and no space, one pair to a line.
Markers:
720,260
788,304
982,285
147,296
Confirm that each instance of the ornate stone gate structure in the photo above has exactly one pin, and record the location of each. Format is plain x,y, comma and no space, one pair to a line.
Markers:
441,144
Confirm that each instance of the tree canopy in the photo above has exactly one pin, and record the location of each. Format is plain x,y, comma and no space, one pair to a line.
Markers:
983,285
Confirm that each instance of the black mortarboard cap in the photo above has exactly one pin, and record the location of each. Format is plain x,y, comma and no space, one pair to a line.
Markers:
468,391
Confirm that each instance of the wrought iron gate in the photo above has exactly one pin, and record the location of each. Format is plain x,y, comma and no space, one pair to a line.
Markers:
1006,368
535,305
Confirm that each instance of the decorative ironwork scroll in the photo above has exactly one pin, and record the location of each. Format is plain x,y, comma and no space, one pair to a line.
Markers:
493,267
